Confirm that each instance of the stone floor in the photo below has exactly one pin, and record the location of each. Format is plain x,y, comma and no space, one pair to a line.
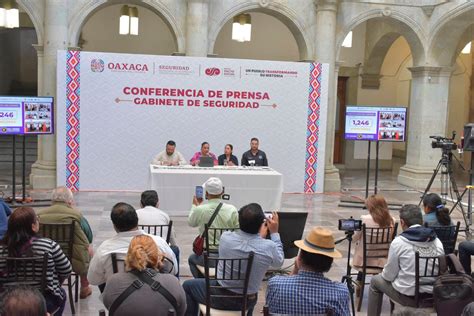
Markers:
323,211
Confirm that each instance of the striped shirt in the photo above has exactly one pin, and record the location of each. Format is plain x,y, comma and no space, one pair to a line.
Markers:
58,264
307,293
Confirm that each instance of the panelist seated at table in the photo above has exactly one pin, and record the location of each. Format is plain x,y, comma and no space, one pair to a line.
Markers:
170,156
227,159
254,157
203,153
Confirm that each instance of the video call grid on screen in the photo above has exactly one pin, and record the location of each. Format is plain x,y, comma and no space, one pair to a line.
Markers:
21,115
376,123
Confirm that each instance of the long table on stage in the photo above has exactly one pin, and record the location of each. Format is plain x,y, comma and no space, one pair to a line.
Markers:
176,185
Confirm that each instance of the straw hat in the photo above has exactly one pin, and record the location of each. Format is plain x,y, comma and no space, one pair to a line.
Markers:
321,241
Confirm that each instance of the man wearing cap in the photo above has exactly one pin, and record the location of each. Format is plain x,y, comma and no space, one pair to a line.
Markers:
307,291
200,215
397,279
251,237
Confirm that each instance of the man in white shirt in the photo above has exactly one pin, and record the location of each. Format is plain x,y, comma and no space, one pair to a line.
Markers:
170,156
125,220
397,279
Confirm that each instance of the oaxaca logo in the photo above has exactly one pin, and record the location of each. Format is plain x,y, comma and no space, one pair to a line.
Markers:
212,71
126,67
97,65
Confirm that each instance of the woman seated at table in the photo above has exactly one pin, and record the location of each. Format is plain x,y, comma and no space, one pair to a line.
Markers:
227,159
143,260
203,153
21,240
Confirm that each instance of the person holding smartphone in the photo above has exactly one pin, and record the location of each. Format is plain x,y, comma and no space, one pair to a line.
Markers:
200,214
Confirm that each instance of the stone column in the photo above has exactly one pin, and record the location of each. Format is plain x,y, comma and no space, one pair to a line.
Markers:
43,171
196,28
325,52
428,116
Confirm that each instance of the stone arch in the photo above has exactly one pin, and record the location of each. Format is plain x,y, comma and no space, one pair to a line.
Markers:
35,13
83,14
277,10
453,29
399,23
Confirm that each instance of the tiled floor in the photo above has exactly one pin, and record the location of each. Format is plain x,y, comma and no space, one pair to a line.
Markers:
322,208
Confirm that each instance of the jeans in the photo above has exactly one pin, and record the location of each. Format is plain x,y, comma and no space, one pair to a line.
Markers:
54,302
176,253
466,250
378,287
195,260
196,294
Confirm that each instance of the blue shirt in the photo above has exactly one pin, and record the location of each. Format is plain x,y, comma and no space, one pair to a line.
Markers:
307,293
238,244
5,211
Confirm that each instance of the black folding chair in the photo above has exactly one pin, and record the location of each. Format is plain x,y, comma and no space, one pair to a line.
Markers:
26,271
448,236
233,269
164,231
63,235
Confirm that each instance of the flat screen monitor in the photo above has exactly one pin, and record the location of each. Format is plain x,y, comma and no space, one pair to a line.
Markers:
376,123
26,115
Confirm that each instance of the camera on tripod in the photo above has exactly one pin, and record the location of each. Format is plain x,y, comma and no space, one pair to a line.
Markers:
445,143
350,224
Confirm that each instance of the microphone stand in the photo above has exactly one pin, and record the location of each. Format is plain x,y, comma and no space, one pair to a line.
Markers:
348,278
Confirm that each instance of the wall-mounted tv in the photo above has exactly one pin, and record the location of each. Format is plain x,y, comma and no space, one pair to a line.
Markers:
26,115
375,123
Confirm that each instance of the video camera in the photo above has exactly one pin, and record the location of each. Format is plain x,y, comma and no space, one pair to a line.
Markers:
445,143
350,224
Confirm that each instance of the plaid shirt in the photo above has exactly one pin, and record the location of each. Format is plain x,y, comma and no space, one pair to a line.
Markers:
307,293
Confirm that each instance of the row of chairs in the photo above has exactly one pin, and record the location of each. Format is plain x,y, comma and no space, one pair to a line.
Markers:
376,244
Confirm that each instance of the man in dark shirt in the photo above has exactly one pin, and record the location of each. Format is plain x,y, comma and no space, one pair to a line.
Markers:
254,156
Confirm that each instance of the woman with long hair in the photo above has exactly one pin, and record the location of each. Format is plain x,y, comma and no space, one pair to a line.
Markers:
378,217
436,214
227,158
22,240
143,261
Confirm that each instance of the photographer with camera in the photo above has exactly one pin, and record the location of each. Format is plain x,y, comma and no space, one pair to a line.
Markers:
227,216
378,217
397,279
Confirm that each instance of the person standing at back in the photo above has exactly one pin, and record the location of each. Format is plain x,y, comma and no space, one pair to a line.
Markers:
254,156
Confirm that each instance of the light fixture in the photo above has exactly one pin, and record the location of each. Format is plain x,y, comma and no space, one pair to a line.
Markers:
242,28
9,14
467,48
348,40
124,27
133,21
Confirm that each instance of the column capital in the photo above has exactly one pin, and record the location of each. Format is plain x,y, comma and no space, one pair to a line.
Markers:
430,71
198,1
38,48
326,5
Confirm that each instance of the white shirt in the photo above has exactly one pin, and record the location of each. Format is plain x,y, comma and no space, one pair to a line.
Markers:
150,215
164,159
100,267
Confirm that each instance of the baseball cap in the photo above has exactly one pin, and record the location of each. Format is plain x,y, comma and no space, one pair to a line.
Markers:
213,186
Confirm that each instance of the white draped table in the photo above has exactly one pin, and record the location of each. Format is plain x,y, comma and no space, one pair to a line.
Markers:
176,185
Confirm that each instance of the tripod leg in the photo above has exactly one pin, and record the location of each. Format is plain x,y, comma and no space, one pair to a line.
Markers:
459,200
433,177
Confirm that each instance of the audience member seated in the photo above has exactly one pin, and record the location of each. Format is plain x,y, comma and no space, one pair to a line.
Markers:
5,212
200,215
21,240
62,211
227,158
435,212
125,221
238,244
397,279
170,156
22,301
203,153
150,214
254,156
466,250
378,216
143,260
284,293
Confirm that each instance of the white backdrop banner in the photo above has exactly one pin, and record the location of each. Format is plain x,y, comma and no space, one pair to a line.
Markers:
116,111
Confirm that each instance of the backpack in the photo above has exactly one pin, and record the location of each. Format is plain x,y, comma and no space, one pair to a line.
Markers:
453,288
